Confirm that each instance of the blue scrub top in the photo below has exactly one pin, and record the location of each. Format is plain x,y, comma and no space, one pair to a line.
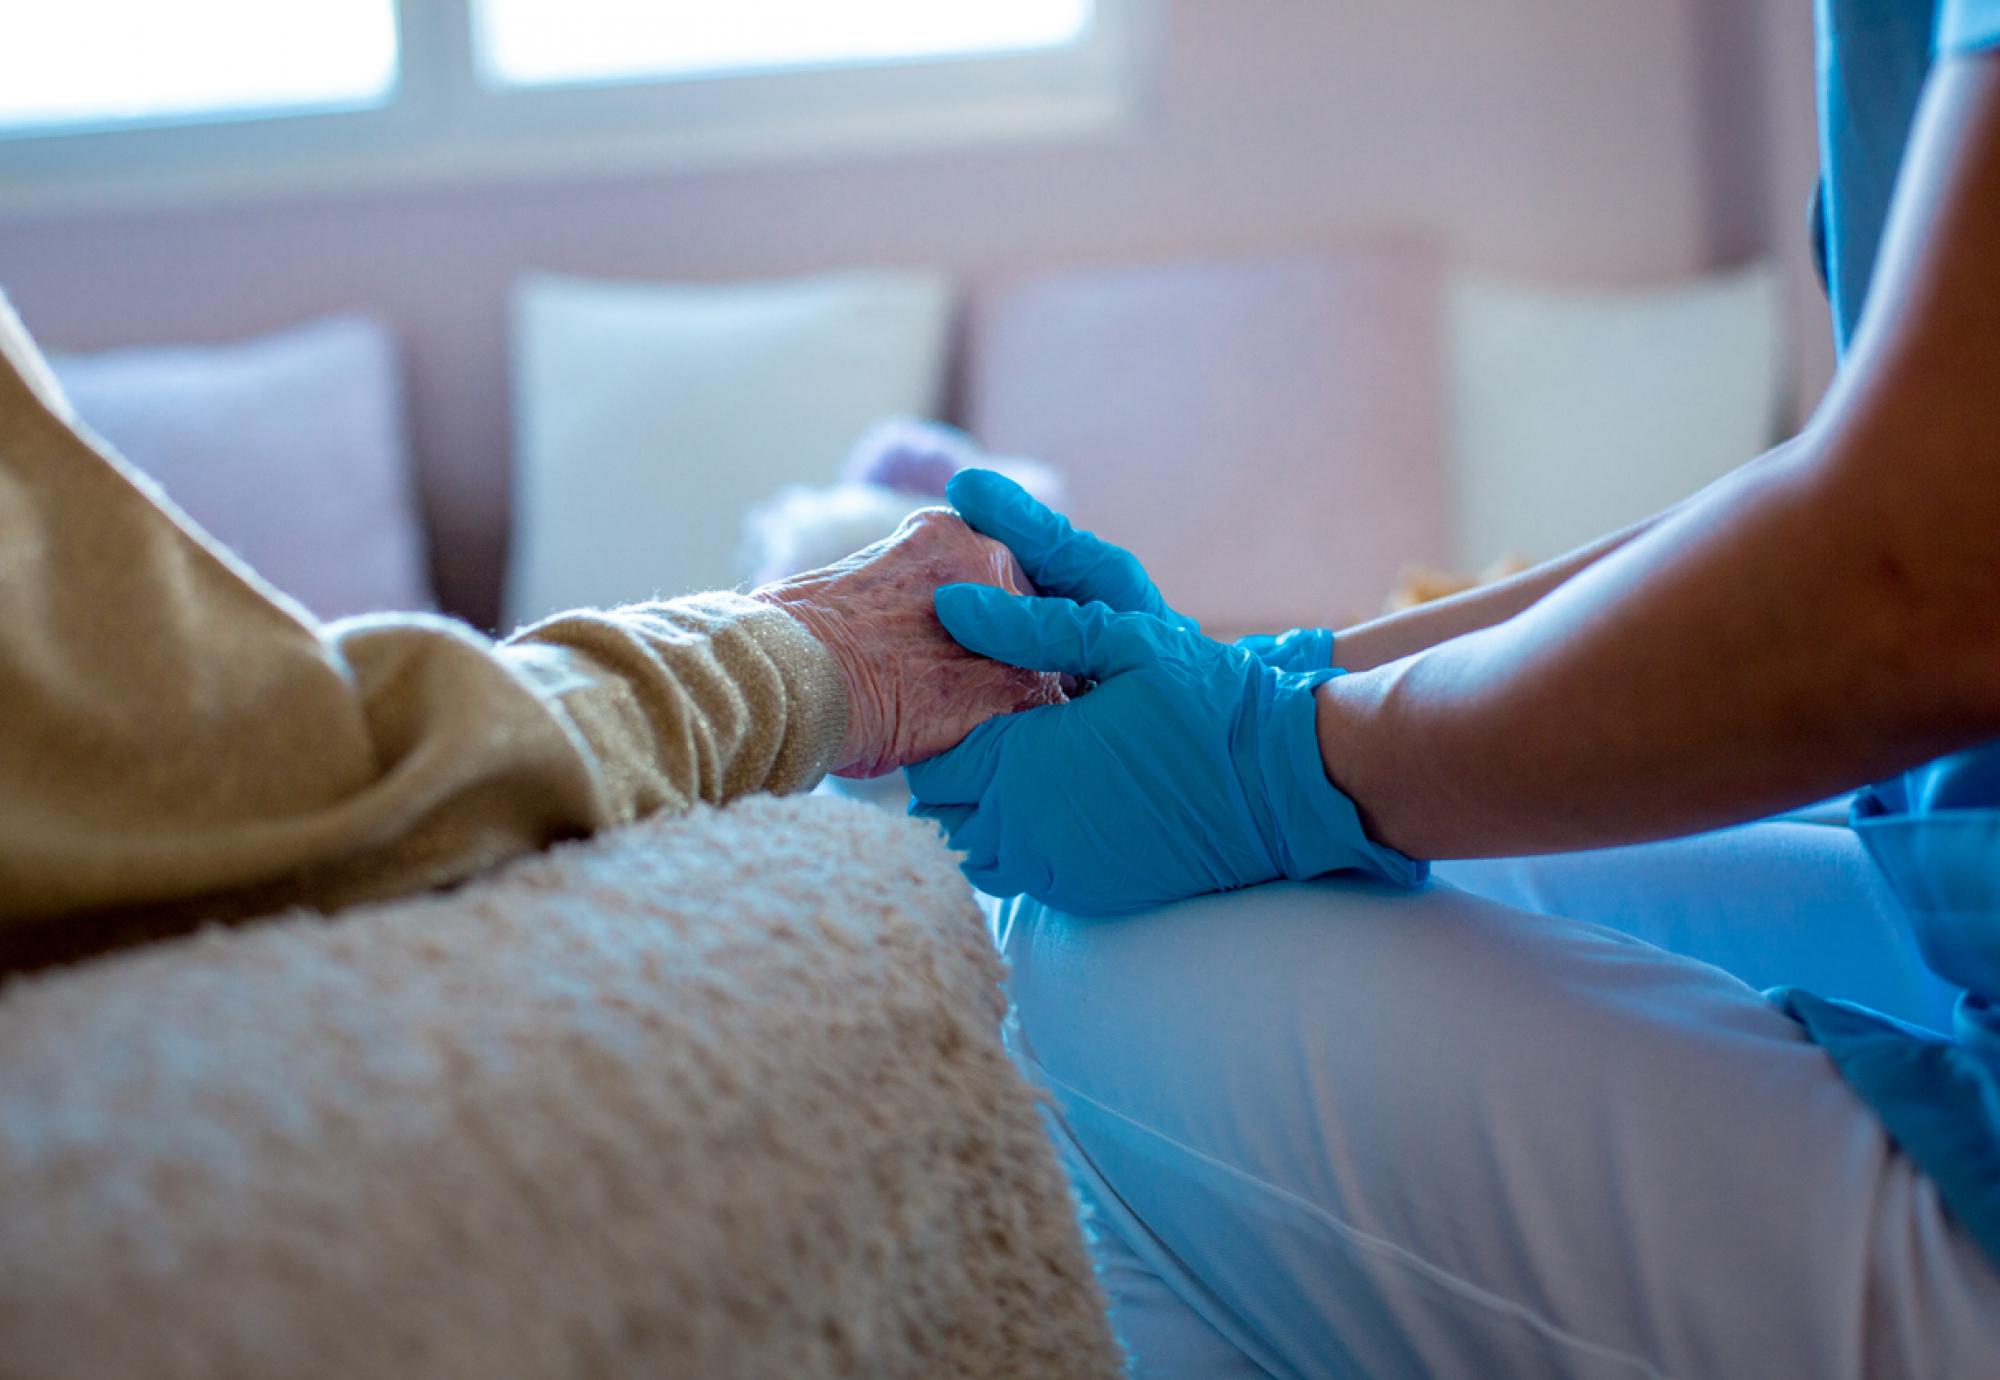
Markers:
1934,831
1873,58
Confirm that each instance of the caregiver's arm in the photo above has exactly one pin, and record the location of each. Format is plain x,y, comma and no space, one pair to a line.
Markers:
1798,628
1412,630
1409,631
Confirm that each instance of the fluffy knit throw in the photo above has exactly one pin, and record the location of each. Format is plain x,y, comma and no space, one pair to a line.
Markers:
714,1096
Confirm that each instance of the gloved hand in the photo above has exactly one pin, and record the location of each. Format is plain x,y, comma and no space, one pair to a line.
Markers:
1191,767
1083,566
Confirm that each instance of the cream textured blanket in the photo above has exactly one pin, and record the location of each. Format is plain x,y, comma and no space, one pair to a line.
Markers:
714,1096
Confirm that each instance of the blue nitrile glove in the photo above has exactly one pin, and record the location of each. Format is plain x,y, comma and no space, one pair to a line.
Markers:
1083,566
1301,649
1191,767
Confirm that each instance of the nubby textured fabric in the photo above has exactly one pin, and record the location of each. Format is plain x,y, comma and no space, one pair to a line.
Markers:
719,1095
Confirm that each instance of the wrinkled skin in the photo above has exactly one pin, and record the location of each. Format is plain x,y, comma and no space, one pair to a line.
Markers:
912,691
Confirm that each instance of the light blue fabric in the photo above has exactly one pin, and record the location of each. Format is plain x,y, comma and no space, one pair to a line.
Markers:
1934,831
1935,835
1190,767
1964,25
1776,903
1939,1098
1295,1108
1873,58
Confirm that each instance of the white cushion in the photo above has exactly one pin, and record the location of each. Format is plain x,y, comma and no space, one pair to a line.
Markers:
651,417
1576,413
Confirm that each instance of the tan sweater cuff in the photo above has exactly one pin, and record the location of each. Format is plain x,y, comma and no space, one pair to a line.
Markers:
706,697
815,691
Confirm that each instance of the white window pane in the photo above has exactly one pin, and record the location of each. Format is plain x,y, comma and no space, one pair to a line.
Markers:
118,61
537,42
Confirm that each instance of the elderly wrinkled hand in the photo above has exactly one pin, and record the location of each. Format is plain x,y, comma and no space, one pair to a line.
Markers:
912,691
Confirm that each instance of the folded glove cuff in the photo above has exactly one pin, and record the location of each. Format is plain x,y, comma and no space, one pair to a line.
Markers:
1318,829
1315,649
1300,649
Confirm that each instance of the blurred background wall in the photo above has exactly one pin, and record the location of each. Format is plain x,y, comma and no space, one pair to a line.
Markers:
1573,141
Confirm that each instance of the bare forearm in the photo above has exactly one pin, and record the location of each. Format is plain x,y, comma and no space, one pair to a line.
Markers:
1405,633
1752,652
1398,635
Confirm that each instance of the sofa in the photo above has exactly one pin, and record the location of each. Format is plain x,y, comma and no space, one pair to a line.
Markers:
725,1095
1278,434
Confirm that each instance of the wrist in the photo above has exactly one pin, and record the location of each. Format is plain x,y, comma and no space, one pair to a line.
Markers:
1343,710
1317,827
1348,717
1300,649
1310,649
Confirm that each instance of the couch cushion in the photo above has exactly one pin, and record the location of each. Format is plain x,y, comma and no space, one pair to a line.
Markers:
651,417
289,449
1576,411
1266,434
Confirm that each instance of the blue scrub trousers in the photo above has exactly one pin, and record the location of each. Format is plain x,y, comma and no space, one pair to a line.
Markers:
1535,1120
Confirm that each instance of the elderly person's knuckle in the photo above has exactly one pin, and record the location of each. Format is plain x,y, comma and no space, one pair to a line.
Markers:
933,523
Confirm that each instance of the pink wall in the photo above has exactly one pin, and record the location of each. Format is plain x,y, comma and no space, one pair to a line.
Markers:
1575,139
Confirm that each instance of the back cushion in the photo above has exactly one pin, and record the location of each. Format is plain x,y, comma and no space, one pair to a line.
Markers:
1266,435
1577,411
289,449
652,417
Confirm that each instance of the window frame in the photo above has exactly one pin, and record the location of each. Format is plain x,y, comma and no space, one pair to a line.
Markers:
442,123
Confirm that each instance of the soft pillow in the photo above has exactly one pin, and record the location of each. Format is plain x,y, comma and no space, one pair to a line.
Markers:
652,417
1265,434
1575,413
289,449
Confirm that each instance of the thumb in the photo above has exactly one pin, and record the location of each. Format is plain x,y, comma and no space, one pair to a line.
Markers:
1061,560
1049,634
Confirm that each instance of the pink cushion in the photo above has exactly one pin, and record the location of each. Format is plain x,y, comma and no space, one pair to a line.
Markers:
1267,435
288,448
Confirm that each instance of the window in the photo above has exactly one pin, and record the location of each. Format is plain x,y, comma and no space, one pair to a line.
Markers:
122,99
110,62
541,42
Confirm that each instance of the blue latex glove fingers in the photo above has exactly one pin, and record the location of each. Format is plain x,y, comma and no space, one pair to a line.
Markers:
973,829
1089,640
976,832
1060,559
1045,634
1301,649
960,775
950,818
1191,767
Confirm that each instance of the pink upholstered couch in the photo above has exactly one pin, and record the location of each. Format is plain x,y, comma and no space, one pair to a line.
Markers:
1222,416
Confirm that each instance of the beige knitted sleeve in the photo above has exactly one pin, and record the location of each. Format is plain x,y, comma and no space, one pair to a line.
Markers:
178,742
